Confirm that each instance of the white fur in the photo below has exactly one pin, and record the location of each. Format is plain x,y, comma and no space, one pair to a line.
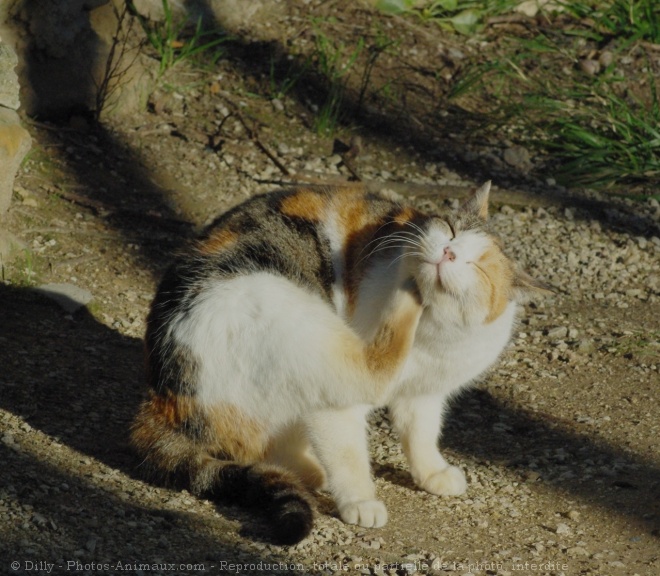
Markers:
269,348
274,351
336,241
452,347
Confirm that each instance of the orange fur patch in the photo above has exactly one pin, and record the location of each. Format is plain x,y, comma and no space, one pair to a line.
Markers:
393,342
497,285
352,210
236,434
157,435
406,215
217,241
304,204
357,228
172,430
171,410
391,345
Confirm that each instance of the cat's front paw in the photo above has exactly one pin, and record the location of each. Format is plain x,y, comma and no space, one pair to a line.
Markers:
365,513
447,482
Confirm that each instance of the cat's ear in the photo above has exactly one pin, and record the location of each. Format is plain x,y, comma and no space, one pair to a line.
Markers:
525,286
477,203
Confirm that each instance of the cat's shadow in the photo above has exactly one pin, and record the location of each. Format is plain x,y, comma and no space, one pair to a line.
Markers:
481,430
80,382
69,375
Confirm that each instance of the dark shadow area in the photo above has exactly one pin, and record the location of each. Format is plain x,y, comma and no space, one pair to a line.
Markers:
111,181
80,383
70,376
538,450
74,515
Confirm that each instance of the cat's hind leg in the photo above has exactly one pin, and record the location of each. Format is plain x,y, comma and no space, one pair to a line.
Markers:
418,421
339,440
292,450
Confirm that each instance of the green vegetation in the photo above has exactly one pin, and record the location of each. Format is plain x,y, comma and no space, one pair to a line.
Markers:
333,61
637,19
24,268
545,92
614,139
595,126
283,78
462,16
629,19
174,41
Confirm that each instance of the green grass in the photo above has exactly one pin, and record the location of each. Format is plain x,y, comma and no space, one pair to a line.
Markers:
345,71
600,130
173,40
24,266
462,16
615,140
630,19
333,61
637,19
284,77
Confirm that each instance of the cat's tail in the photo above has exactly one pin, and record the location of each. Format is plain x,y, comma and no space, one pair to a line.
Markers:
176,451
265,487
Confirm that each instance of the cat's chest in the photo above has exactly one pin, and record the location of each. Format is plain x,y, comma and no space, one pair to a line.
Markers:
445,358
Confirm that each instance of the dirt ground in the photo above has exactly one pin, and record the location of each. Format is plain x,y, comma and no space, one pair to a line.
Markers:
559,441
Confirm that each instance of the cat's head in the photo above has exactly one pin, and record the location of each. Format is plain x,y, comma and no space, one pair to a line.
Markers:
459,262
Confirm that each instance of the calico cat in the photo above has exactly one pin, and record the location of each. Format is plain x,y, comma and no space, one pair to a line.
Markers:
294,316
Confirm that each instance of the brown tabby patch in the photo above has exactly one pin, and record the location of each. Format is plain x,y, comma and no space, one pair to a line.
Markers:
176,429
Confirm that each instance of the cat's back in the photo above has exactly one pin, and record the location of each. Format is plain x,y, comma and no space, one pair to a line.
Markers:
312,236
261,292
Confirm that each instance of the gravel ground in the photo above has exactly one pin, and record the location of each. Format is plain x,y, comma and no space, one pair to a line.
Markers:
559,441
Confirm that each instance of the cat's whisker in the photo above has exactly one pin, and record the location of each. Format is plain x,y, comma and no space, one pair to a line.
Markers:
405,255
375,240
397,240
408,237
398,243
402,241
415,227
383,248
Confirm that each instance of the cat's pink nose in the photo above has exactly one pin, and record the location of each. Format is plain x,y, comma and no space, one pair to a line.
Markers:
448,254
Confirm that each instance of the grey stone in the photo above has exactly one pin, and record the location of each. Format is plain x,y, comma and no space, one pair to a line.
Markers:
8,79
73,56
69,296
557,333
518,157
15,142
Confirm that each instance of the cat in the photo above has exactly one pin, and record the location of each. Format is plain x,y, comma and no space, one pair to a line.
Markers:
296,314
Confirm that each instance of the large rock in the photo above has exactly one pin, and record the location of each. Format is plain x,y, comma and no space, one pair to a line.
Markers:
245,18
73,57
72,51
14,139
15,143
8,79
